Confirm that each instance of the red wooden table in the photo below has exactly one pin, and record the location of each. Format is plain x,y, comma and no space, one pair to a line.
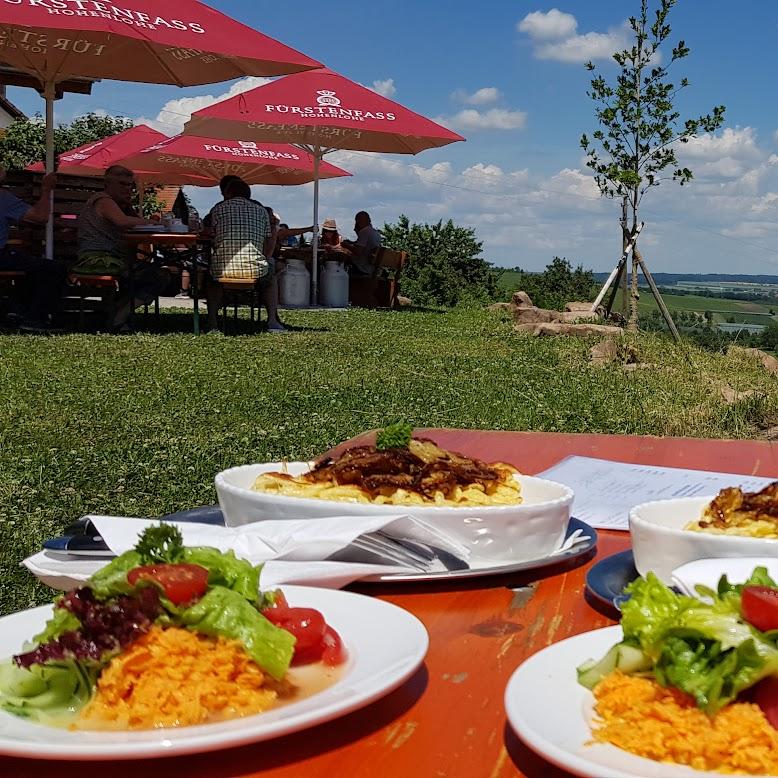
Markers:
448,720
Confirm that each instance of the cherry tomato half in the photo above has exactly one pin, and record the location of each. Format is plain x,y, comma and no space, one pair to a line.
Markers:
306,624
334,653
766,697
180,583
760,607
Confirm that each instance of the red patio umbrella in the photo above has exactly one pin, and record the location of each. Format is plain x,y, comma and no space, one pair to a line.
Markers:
182,42
320,111
208,159
92,159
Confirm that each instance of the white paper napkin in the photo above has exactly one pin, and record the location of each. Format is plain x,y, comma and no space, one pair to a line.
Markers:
292,551
707,572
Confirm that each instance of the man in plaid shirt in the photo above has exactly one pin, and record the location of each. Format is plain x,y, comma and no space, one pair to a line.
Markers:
241,246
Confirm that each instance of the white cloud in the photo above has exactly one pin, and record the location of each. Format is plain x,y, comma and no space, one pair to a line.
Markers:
551,25
555,35
175,113
738,143
583,48
483,96
480,169
493,119
385,88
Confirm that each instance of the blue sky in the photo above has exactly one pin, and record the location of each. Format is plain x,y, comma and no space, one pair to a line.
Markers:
510,78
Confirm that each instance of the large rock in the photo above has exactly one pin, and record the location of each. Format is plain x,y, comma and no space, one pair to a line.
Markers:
500,307
572,316
526,329
576,306
604,352
534,315
769,362
522,300
577,330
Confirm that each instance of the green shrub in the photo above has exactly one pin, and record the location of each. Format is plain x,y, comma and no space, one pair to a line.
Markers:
557,285
445,266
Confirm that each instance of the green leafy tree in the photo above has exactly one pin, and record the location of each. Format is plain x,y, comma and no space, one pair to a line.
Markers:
24,142
634,148
558,284
445,266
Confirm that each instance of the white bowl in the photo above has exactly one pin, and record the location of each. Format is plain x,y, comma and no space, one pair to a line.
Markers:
516,533
660,544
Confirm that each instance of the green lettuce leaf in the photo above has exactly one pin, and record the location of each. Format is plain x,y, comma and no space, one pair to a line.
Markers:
225,569
111,580
759,577
227,613
61,621
712,675
50,694
650,611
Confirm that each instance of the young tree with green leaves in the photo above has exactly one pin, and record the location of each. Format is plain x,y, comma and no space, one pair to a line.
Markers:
634,148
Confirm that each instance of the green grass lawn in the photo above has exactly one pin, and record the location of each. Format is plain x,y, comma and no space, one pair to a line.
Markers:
140,425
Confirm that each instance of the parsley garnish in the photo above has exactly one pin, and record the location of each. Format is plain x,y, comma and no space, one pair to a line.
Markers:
160,543
394,436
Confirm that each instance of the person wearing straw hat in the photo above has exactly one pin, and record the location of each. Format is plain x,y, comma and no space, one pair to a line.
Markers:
330,237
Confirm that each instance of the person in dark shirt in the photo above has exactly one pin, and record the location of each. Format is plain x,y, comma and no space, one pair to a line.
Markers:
44,279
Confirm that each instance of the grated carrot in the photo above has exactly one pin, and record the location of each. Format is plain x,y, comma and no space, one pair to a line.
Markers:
174,678
644,718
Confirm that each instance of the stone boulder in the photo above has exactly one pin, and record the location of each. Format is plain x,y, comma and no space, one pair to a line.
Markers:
577,330
604,352
500,307
769,362
522,300
534,315
583,315
577,306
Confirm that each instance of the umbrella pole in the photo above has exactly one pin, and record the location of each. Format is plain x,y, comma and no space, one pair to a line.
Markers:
317,154
49,94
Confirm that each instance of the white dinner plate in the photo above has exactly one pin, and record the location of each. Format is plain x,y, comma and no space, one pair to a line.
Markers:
549,710
385,644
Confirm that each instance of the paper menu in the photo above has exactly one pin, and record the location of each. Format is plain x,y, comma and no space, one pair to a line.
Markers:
605,491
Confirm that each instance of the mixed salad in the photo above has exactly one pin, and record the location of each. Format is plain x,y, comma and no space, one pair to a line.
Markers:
716,649
158,584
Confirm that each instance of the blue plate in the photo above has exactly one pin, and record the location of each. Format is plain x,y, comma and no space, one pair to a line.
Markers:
605,582
83,540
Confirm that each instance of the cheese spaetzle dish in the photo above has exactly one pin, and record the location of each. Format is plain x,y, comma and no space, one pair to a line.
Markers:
417,473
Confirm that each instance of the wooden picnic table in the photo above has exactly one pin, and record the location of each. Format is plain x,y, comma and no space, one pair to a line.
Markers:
190,241
448,720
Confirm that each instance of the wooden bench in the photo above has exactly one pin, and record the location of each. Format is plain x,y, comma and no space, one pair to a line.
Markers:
240,291
379,290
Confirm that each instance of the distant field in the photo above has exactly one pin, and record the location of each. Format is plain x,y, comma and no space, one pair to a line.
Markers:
722,309
509,280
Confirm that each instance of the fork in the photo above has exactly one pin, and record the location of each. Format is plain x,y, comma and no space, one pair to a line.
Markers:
409,553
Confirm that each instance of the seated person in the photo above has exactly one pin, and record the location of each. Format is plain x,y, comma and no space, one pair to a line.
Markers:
287,236
242,243
44,279
102,249
361,252
330,237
